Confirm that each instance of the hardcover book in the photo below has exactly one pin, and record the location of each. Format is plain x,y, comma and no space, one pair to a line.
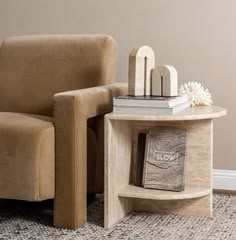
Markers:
150,110
150,101
165,154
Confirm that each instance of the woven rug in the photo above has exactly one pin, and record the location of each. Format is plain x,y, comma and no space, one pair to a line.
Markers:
20,220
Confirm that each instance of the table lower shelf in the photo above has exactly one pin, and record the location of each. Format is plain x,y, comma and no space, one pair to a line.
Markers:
190,192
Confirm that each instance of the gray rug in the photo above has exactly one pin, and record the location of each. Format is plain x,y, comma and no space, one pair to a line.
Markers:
19,220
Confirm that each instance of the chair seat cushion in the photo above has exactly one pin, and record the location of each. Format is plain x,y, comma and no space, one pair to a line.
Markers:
27,156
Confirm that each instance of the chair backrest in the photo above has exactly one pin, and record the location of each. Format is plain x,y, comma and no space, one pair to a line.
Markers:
34,68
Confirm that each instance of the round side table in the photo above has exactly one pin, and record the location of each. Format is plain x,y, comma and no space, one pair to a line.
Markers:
121,134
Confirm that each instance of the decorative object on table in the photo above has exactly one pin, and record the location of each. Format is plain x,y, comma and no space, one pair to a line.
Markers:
141,62
164,81
197,94
150,90
165,154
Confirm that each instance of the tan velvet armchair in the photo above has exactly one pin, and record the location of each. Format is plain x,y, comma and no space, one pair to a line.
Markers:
46,122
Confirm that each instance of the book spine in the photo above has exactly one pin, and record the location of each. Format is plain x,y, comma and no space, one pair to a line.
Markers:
140,153
145,159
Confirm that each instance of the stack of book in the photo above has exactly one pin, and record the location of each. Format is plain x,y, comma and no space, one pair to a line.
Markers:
150,104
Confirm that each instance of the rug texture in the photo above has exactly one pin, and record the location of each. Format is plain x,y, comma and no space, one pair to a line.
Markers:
20,220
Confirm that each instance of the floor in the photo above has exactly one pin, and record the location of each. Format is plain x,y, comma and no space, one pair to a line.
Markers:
20,220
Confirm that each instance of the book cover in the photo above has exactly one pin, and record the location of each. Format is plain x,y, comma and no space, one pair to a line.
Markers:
165,154
150,101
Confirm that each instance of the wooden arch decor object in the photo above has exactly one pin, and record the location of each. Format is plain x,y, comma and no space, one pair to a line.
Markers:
141,63
164,81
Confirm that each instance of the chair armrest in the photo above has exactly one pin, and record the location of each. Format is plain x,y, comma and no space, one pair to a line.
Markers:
92,101
71,111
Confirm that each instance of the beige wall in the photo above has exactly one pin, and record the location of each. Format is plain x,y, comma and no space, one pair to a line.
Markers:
198,37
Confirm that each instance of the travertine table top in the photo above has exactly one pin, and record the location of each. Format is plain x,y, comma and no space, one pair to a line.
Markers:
191,113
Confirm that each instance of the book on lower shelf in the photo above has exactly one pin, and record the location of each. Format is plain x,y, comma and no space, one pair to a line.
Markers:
164,159
150,104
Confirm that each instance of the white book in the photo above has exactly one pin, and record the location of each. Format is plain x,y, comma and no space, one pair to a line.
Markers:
150,110
150,101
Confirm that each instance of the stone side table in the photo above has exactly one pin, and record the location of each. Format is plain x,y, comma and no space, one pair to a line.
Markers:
121,134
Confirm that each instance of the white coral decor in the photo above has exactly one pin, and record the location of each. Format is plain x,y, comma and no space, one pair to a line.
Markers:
197,95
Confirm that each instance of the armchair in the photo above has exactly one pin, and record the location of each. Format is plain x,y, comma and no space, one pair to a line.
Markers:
54,91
